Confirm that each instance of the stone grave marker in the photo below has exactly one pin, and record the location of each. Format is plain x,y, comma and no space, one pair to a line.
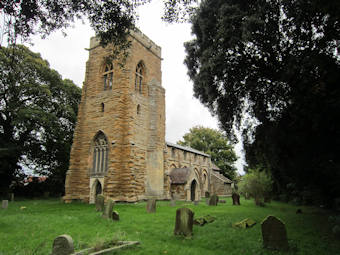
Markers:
4,204
99,203
108,209
184,222
222,201
207,194
196,202
63,245
115,216
11,197
151,206
213,200
274,234
236,199
173,202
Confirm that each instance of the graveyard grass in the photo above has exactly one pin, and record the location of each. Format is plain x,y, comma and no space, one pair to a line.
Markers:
29,227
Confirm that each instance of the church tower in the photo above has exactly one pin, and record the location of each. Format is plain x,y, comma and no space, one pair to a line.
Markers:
119,141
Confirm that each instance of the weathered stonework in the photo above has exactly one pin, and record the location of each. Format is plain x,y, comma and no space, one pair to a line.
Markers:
119,147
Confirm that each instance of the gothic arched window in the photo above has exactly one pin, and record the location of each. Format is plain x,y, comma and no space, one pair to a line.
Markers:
139,77
108,77
100,155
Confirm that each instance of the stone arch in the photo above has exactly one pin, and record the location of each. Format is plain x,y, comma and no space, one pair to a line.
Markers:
140,77
96,188
100,154
193,188
205,181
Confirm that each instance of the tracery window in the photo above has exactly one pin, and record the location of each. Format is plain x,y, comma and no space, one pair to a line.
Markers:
108,77
100,155
139,77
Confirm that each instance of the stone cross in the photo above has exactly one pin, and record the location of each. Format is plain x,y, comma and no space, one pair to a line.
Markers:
274,234
63,245
4,204
236,199
184,222
99,203
108,209
115,216
213,200
151,206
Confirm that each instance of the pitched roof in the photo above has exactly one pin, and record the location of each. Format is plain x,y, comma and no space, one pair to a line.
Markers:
187,149
221,177
179,175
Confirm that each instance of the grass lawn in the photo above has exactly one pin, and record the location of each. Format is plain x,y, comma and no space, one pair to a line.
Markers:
32,230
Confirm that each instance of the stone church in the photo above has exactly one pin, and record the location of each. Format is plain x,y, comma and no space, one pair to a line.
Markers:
119,148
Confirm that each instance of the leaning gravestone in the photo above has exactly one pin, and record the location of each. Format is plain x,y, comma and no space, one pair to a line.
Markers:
184,222
4,204
63,245
99,203
236,199
108,209
274,234
173,202
115,216
151,206
213,200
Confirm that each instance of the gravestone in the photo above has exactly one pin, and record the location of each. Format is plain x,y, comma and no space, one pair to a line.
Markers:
46,194
63,245
115,216
207,194
222,201
108,209
11,197
196,202
4,204
236,199
213,200
184,222
274,234
99,203
151,206
173,202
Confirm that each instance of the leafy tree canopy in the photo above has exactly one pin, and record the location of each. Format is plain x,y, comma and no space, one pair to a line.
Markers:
276,62
214,143
38,111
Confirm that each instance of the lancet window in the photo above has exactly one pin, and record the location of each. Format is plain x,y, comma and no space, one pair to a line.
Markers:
108,77
100,155
139,77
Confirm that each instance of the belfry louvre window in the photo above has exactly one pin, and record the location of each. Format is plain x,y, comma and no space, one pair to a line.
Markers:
139,77
108,77
100,155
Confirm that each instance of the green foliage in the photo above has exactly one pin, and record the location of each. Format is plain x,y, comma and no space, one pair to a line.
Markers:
274,64
33,229
256,184
38,113
216,144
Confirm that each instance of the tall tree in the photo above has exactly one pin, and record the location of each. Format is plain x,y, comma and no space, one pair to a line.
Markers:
214,143
38,112
278,62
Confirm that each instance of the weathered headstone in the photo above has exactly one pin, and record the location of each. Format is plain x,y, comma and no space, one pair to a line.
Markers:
4,204
173,202
63,245
184,222
46,194
99,203
207,194
213,200
274,234
115,216
11,197
236,199
108,209
196,202
151,206
222,201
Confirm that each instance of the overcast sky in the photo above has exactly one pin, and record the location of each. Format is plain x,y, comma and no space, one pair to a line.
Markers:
68,56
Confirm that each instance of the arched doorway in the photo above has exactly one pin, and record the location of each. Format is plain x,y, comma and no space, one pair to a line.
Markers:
98,188
193,190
